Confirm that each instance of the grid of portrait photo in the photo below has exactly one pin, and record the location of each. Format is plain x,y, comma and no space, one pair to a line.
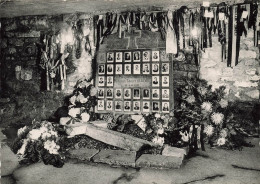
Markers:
146,62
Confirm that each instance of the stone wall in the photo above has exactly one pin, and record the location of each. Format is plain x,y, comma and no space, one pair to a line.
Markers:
242,80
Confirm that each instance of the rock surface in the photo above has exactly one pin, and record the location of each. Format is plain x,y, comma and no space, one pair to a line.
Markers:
173,151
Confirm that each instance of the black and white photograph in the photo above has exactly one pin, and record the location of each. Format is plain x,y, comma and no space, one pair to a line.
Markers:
127,106
156,94
100,105
110,57
146,93
119,69
100,93
127,69
155,68
155,81
101,81
165,94
127,93
136,56
165,107
146,56
136,106
127,57
164,56
119,57
165,68
109,106
118,93
146,68
110,69
110,81
146,106
101,69
137,69
118,105
155,56
156,107
109,93
136,94
165,81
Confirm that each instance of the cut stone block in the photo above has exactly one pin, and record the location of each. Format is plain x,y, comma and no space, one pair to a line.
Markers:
174,151
102,124
73,130
159,161
84,154
117,139
116,157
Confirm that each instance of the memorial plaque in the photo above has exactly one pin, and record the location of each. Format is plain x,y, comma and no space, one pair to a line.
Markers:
134,81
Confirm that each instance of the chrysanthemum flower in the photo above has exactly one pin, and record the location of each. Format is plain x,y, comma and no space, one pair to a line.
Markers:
209,130
223,103
85,117
202,90
221,141
207,106
217,118
223,133
34,134
52,147
190,99
158,140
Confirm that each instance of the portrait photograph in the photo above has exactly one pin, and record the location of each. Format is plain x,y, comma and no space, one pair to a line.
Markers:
110,69
109,106
146,56
165,94
118,105
164,56
118,93
101,81
165,68
155,81
127,69
127,94
146,106
110,81
136,56
165,107
155,56
119,57
136,94
110,57
136,106
119,69
100,105
101,69
127,106
127,57
146,93
146,69
156,107
155,68
137,69
165,81
109,93
100,93
155,94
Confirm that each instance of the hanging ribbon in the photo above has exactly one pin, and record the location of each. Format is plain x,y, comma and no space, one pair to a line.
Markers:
171,40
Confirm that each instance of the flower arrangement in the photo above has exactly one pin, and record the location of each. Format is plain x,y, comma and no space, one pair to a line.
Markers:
201,108
40,141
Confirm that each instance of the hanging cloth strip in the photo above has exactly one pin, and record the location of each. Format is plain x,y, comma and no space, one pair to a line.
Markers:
222,33
181,38
171,39
234,38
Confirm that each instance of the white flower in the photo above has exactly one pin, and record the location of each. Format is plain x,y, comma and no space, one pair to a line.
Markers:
21,131
223,133
158,140
74,111
217,118
202,90
190,99
160,131
184,136
157,115
221,141
21,151
223,103
34,134
85,117
83,84
52,147
209,130
93,91
73,100
207,106
43,129
81,98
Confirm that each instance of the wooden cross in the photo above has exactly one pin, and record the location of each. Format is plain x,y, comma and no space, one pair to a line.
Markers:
131,36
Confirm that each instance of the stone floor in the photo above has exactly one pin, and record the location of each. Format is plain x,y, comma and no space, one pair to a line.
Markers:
213,166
